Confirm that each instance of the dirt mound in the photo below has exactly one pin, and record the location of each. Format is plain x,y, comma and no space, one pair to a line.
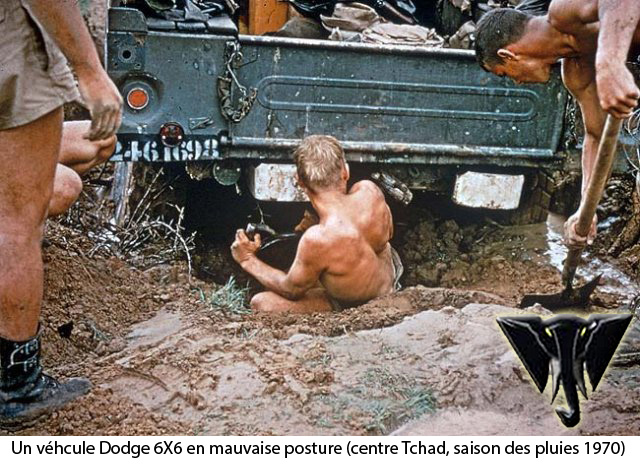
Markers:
90,303
508,261
431,247
382,312
184,371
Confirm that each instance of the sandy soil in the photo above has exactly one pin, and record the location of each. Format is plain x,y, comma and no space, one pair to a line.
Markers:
426,360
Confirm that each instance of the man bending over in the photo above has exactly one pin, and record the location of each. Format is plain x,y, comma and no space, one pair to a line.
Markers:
343,261
593,39
78,155
39,38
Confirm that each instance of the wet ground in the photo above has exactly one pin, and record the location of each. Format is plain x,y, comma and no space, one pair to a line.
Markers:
173,355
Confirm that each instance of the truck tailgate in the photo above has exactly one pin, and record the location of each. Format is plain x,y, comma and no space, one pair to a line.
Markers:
392,103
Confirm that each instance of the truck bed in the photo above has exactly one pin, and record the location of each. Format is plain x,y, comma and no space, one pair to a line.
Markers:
387,104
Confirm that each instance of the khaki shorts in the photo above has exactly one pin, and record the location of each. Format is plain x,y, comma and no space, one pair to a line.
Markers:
34,76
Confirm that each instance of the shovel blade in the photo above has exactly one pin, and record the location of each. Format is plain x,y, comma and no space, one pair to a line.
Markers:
569,297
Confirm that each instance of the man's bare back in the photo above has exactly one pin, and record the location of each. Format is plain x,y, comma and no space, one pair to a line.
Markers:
342,261
580,18
354,241
577,18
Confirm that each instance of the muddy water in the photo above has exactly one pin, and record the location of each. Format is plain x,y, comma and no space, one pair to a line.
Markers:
613,279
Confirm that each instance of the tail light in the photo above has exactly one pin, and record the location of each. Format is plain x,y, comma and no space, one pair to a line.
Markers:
171,134
137,98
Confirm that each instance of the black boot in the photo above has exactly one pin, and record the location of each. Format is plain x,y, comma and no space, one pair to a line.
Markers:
25,392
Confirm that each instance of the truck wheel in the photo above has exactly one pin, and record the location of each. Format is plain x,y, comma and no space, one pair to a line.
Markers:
536,197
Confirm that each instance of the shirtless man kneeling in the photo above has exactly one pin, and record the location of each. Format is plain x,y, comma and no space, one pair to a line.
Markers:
343,261
78,155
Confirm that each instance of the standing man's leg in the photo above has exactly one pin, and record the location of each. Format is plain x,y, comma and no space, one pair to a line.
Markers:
39,37
28,158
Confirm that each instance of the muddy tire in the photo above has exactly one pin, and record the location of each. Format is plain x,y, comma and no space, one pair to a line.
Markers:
535,200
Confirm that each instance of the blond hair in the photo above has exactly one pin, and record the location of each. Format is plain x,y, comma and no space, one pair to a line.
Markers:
319,160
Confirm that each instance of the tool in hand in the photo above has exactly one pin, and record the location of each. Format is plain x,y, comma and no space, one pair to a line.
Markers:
262,228
579,297
269,236
393,187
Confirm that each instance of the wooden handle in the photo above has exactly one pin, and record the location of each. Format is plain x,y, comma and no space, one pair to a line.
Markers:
589,203
600,175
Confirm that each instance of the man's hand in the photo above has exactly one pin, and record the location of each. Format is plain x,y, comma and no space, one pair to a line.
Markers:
243,248
617,89
64,23
102,99
572,238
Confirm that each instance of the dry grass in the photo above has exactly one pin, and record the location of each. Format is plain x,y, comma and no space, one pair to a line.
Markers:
231,298
144,239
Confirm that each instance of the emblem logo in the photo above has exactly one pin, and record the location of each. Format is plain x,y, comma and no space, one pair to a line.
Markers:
565,346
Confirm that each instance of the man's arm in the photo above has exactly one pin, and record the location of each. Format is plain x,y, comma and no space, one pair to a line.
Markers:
302,276
616,87
377,196
64,23
593,118
579,78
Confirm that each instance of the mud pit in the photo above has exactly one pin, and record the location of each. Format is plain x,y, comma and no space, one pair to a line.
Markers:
427,360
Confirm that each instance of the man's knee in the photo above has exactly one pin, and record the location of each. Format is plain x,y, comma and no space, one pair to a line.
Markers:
67,187
81,154
105,149
260,302
26,217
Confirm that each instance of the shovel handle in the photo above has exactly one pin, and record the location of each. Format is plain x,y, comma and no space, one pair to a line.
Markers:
593,194
600,175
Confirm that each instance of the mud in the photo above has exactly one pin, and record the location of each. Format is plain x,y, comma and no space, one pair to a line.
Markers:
426,360
509,261
619,224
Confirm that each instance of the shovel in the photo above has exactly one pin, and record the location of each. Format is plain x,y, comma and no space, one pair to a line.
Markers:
579,297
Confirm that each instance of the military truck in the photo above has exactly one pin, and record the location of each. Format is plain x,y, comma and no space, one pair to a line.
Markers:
233,106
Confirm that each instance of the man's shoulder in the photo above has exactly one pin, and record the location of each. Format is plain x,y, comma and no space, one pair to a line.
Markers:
366,187
315,237
570,17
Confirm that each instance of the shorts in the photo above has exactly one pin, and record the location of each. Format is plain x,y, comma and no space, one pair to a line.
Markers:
34,76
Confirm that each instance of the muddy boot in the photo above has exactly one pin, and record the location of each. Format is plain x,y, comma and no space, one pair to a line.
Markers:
25,392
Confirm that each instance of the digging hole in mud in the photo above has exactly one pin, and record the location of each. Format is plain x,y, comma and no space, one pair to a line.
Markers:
428,234
441,245
167,357
163,360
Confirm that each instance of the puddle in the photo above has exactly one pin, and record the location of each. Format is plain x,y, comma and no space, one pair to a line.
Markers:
613,280
154,330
